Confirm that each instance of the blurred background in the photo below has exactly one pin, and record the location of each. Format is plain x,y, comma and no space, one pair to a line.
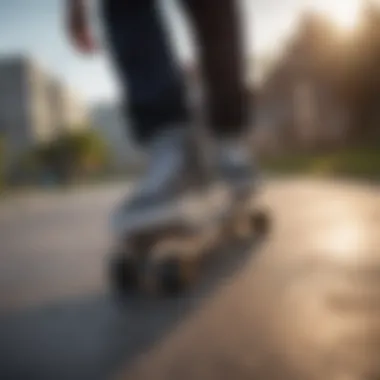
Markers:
303,304
312,69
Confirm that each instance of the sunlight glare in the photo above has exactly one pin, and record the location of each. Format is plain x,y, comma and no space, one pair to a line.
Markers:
343,13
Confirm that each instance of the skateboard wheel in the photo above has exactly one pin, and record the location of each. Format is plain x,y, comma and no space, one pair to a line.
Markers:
123,274
170,279
176,274
260,222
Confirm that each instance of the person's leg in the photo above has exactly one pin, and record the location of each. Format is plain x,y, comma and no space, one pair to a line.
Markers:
149,74
219,38
220,42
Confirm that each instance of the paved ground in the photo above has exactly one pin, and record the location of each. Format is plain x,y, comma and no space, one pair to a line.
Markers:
305,304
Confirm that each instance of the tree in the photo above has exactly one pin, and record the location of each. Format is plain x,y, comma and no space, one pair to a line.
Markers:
348,67
361,88
73,155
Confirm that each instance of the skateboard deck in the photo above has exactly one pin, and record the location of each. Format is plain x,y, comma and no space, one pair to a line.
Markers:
168,258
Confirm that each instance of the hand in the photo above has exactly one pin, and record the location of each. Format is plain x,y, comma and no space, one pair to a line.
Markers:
79,29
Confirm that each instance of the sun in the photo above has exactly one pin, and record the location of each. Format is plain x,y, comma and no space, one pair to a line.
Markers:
345,13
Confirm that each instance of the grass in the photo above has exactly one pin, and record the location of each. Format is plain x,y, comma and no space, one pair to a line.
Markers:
353,163
360,163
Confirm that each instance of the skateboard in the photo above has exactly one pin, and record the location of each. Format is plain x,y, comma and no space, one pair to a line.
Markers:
169,258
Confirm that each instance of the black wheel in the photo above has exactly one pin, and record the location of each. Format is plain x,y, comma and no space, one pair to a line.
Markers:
123,274
169,276
175,274
260,222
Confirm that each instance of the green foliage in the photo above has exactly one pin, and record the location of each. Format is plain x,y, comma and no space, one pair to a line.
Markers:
354,162
71,156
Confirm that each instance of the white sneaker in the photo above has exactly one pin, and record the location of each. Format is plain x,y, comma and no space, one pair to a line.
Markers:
173,172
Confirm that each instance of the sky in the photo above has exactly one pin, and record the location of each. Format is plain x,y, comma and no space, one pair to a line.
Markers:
36,28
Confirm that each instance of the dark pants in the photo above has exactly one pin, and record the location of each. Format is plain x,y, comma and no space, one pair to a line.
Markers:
152,78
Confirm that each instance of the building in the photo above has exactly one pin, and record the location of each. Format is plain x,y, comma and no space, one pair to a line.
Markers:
34,106
71,113
297,104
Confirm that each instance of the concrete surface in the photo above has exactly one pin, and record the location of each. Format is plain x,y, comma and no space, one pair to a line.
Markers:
304,304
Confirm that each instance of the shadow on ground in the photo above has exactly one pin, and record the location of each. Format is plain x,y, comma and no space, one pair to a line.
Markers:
89,338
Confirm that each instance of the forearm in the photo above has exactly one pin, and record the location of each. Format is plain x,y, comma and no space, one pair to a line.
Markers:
76,11
76,3
76,6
